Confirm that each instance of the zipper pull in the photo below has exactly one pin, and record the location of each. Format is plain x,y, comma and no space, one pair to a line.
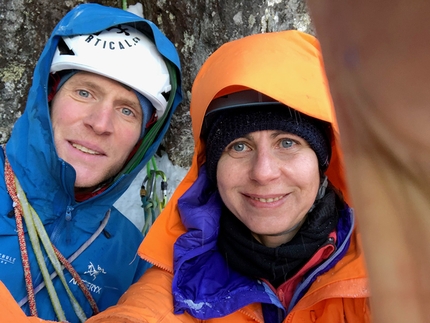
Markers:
69,213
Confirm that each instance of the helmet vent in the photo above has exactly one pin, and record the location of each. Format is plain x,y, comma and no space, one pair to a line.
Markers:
166,95
64,49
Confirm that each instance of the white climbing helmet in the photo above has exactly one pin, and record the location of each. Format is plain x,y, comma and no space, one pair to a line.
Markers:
121,53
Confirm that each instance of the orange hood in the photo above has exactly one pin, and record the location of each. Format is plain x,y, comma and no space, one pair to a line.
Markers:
286,66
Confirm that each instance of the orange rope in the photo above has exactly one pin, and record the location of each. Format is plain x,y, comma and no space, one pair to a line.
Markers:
78,280
10,184
11,187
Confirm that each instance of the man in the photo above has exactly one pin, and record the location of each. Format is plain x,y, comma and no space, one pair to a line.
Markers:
103,92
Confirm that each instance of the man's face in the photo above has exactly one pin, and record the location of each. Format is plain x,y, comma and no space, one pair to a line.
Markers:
96,123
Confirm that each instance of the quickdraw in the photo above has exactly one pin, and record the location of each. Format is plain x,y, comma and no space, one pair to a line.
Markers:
150,200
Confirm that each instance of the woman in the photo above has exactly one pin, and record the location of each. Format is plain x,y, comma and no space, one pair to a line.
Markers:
258,231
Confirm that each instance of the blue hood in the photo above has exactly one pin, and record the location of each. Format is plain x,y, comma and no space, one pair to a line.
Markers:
31,149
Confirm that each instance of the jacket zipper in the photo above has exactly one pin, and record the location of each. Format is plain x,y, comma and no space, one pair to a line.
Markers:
306,283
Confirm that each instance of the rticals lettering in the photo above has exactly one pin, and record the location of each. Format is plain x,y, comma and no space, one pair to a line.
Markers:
113,44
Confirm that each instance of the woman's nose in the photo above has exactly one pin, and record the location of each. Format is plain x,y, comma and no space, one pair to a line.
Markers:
265,166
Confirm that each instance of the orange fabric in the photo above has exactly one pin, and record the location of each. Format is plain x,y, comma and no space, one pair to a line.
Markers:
291,73
10,312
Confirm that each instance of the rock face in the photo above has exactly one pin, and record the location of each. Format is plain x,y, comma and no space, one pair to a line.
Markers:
196,27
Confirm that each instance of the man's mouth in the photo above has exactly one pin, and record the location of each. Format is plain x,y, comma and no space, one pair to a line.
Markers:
85,149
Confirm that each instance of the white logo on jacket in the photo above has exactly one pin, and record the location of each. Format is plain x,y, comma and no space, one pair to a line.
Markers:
91,287
5,259
93,271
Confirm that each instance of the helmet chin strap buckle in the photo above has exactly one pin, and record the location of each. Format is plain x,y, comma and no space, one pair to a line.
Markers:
321,190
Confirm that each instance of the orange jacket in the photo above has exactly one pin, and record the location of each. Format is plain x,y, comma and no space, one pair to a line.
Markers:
286,66
10,312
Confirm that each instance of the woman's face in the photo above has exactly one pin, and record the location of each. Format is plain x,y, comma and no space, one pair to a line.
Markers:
269,180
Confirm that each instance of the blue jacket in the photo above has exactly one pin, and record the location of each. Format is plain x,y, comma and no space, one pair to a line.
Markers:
110,264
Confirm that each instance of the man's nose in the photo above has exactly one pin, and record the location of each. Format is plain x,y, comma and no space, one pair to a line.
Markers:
100,118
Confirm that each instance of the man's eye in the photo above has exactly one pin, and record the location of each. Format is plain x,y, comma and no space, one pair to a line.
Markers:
84,93
287,143
127,111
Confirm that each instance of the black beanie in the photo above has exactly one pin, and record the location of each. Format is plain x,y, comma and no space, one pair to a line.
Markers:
234,123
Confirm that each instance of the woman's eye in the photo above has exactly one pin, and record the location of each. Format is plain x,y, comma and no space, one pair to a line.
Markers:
83,93
287,143
238,146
